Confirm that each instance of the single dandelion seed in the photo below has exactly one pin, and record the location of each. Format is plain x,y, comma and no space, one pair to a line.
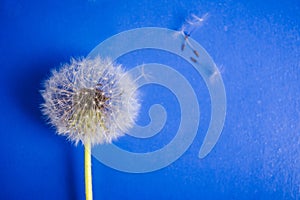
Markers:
196,53
193,59
92,101
143,75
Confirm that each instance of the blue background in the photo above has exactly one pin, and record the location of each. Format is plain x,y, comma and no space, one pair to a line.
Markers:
256,45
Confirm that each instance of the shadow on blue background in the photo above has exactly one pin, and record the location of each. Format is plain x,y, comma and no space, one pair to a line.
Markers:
255,44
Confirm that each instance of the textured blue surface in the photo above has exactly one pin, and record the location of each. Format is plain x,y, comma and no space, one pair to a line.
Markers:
257,48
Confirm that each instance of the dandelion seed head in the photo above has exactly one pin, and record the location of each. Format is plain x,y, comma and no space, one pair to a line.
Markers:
91,100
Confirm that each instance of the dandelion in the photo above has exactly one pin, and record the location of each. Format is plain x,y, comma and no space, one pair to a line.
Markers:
92,101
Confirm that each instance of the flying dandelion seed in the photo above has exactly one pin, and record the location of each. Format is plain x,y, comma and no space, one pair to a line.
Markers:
91,100
187,29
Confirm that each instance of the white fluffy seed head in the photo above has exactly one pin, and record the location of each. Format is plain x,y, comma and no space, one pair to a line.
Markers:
91,100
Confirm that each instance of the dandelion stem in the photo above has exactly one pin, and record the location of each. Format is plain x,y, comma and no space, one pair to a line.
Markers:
88,172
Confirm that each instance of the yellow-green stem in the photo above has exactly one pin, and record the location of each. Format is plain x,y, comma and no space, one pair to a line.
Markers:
88,172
